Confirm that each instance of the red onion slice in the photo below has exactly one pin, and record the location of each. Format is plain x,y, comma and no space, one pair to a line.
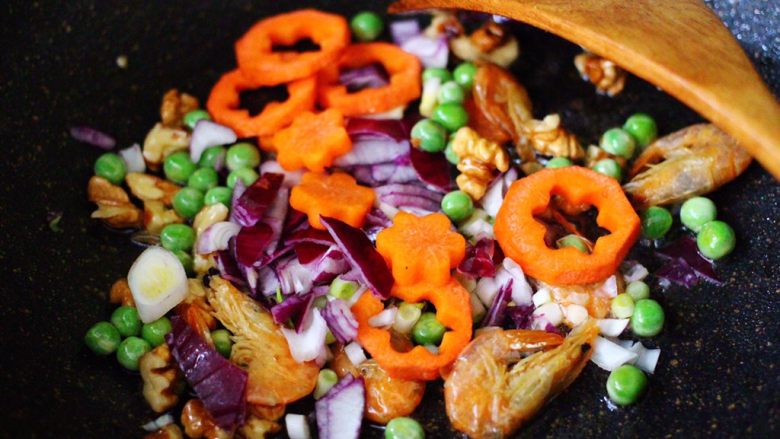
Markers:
93,137
216,237
403,30
432,52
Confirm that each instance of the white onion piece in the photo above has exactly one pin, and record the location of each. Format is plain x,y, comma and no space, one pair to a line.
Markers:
551,312
297,427
388,210
396,113
635,272
521,290
402,30
575,314
291,178
159,423
609,287
541,297
384,318
494,196
612,327
486,290
432,52
158,283
207,134
609,356
355,353
648,359
469,283
216,237
430,95
478,310
134,158
309,343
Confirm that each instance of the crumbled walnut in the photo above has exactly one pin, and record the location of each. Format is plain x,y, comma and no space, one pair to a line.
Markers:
489,37
159,373
594,154
196,311
258,428
170,431
157,216
120,293
444,23
548,137
162,142
209,215
198,423
114,206
490,43
201,264
147,187
607,76
174,106
479,157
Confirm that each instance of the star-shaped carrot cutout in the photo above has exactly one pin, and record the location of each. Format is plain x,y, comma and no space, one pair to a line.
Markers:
335,196
313,141
421,249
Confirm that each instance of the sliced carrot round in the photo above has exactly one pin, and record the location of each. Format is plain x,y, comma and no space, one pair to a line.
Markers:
404,87
225,107
264,66
335,196
312,141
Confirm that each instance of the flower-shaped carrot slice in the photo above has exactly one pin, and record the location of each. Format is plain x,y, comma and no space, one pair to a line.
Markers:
421,249
312,141
335,196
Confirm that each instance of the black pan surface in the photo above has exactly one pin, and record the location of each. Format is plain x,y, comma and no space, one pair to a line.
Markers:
718,372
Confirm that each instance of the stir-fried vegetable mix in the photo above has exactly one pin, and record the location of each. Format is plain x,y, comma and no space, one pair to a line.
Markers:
408,221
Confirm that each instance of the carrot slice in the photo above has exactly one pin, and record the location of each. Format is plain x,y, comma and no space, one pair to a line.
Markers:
522,237
404,87
421,249
453,310
335,196
263,66
224,105
312,141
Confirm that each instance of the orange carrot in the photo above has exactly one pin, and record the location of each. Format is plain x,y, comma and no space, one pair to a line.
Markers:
335,196
312,141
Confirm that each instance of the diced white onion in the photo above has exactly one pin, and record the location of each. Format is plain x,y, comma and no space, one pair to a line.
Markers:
609,356
521,290
486,290
551,312
477,308
432,348
469,283
635,272
308,344
207,134
396,113
297,427
648,360
612,327
158,423
355,353
541,297
430,93
575,314
609,287
384,318
134,158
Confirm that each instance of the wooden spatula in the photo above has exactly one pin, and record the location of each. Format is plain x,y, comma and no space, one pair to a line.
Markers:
678,45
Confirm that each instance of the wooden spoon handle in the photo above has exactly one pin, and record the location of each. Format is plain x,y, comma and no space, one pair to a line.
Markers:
680,46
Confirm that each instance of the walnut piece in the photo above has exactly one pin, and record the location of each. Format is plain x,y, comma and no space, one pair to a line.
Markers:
170,431
479,157
114,206
174,106
489,37
196,310
159,373
607,76
162,142
258,428
594,154
490,43
208,216
444,23
120,293
198,423
548,137
157,216
150,188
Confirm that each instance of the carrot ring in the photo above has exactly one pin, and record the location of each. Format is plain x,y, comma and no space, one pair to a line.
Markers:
404,70
224,105
257,59
521,236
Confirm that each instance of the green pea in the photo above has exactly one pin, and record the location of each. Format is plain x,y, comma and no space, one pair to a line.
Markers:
457,205
638,290
451,92
622,306
186,261
404,428
716,239
126,321
610,168
618,142
642,128
203,179
656,221
366,26
102,338
451,116
155,332
626,384
558,162
573,241
242,155
188,202
222,342
212,157
219,194
177,237
429,136
111,167
648,318
450,154
178,167
131,350
696,212
247,176
428,330
193,117
464,75
443,74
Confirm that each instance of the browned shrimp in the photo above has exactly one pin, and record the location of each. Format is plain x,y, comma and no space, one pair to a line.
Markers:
693,161
485,397
386,397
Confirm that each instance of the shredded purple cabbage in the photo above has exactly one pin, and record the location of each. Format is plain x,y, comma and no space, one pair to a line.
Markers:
251,244
685,265
481,259
433,169
496,315
249,208
360,128
521,315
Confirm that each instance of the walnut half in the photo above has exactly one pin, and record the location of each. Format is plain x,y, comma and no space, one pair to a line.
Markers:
198,423
478,158
159,373
150,188
114,206
548,137
607,76
174,106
